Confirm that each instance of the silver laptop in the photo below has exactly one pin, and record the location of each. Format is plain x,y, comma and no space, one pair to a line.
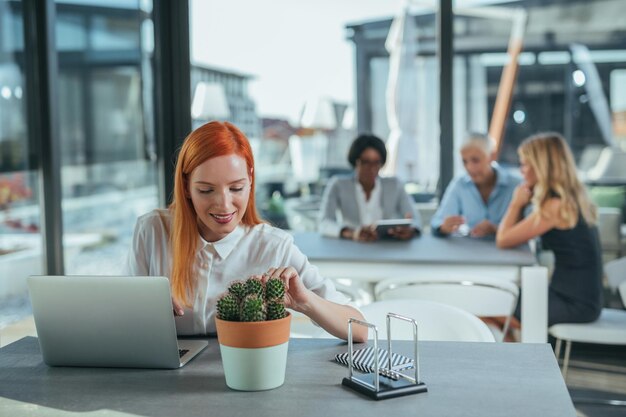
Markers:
107,321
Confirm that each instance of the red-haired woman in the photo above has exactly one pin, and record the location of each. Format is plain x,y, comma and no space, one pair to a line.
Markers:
211,234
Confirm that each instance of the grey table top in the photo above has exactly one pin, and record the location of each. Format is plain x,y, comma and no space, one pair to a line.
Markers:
463,379
424,249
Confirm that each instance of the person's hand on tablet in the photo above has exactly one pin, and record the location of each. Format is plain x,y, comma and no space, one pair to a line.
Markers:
366,234
402,232
360,234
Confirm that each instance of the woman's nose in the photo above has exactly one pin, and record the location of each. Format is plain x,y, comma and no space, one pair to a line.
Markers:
222,199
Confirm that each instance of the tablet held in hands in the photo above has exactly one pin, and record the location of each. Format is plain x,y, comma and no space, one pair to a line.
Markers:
383,227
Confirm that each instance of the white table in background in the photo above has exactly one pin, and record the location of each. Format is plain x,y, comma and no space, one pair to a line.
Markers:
435,256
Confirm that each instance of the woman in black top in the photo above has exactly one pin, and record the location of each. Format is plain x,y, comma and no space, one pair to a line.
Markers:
565,219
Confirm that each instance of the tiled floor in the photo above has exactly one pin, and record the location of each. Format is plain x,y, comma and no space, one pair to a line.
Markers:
597,373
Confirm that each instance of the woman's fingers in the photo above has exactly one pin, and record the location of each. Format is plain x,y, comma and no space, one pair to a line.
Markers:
283,273
264,277
177,309
452,223
522,194
367,234
403,232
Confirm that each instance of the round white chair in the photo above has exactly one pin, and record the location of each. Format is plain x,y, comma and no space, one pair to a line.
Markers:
480,296
609,329
356,294
435,321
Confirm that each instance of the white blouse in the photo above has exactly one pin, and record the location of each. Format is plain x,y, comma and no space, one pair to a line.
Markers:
244,252
370,210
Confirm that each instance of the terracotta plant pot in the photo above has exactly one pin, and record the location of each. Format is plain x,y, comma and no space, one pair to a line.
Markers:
254,354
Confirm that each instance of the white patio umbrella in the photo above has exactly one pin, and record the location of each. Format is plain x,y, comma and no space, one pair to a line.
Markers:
402,99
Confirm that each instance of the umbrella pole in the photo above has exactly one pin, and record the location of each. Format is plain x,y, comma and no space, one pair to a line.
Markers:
504,96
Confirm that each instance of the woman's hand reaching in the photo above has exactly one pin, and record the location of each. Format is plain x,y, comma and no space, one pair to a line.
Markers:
331,316
297,296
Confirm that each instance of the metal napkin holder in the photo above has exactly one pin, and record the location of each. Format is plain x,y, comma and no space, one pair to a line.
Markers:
385,382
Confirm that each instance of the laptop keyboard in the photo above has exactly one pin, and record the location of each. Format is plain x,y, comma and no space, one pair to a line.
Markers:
181,352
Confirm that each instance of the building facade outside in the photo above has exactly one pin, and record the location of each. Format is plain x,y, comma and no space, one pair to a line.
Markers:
550,92
242,109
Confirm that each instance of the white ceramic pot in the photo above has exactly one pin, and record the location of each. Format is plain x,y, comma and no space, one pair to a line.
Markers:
254,354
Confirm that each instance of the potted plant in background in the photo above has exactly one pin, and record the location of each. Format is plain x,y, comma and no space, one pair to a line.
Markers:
16,232
253,333
13,189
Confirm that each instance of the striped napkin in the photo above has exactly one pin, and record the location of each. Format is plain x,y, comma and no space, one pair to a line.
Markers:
364,360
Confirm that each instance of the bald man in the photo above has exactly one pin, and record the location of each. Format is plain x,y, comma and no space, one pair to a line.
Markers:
475,202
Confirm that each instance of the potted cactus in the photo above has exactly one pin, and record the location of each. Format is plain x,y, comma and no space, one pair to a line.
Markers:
253,333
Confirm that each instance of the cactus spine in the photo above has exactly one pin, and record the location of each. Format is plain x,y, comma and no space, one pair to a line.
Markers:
238,289
228,308
252,308
276,309
254,286
274,288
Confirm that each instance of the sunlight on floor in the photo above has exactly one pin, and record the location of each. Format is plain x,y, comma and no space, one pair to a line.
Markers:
16,331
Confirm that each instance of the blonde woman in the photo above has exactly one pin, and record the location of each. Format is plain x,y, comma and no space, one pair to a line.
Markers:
211,235
565,219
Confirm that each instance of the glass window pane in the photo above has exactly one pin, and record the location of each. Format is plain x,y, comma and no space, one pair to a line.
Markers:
269,73
71,32
108,162
11,26
119,32
564,81
20,236
348,63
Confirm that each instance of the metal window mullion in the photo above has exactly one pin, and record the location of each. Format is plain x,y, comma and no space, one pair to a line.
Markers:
41,73
364,91
445,33
173,87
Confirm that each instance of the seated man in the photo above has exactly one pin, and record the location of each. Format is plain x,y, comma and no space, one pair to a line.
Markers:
478,198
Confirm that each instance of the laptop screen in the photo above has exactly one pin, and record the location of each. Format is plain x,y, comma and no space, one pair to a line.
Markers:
111,321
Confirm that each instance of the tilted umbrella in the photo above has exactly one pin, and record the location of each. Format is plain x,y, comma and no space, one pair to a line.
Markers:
402,99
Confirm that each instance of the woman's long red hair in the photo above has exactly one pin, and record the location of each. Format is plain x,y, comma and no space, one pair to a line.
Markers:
208,141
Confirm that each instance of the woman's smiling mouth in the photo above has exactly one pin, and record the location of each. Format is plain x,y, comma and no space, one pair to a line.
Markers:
223,218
